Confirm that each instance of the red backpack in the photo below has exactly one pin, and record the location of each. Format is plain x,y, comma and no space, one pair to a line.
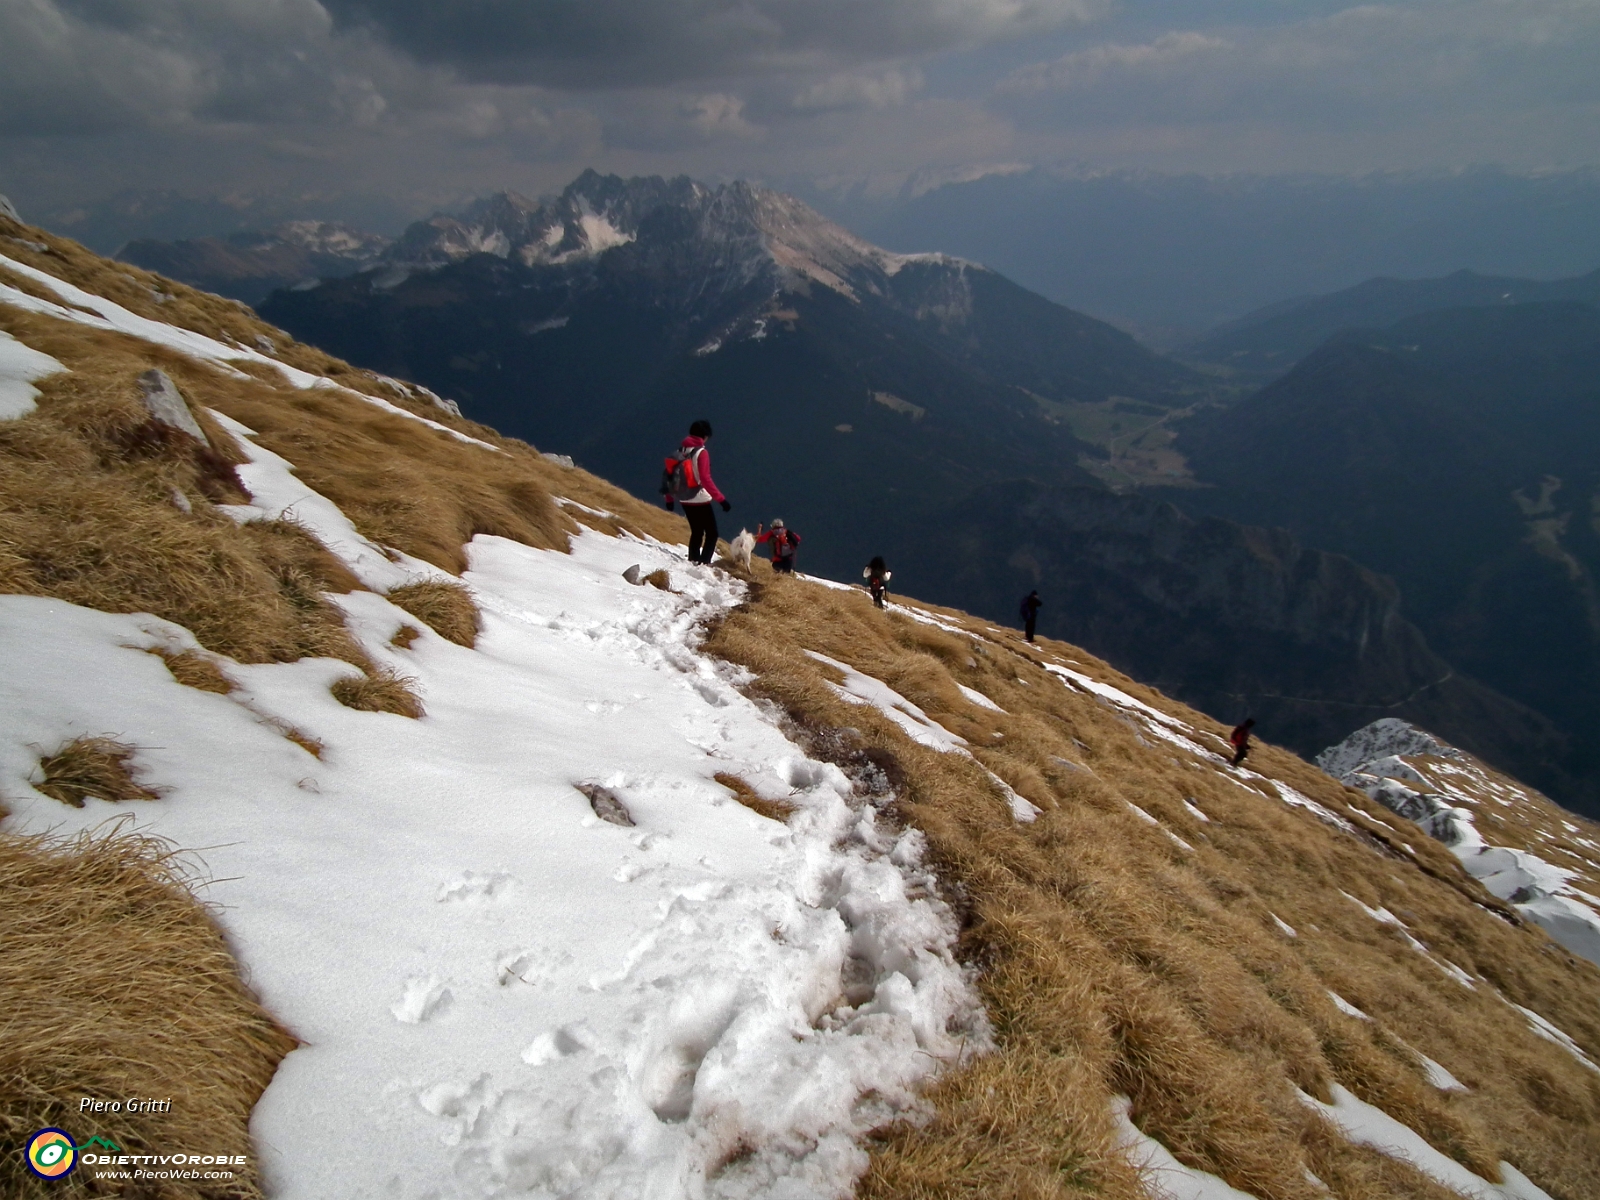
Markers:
680,477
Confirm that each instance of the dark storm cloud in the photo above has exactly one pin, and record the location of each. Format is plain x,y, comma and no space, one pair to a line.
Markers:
589,43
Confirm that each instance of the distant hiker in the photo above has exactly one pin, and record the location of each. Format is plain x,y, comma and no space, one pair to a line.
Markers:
1029,611
686,478
877,576
1240,737
784,541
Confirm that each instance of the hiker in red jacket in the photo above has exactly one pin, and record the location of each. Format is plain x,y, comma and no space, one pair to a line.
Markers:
784,541
1240,737
687,479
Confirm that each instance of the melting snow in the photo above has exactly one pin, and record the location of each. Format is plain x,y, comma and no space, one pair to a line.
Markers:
864,689
1550,1033
1369,1126
20,365
1283,927
1164,1176
497,991
107,315
1348,1009
978,698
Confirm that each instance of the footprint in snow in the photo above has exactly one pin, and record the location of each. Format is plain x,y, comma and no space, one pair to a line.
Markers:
530,966
476,886
426,997
558,1044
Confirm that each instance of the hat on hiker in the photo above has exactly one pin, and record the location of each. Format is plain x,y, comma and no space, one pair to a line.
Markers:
777,522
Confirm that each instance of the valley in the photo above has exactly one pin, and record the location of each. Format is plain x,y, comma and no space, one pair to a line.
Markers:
923,406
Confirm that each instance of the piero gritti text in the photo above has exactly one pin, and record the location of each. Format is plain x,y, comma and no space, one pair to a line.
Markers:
130,1104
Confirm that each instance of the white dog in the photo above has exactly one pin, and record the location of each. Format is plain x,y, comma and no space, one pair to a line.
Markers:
741,548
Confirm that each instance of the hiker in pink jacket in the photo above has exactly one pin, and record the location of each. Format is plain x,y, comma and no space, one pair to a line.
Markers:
687,480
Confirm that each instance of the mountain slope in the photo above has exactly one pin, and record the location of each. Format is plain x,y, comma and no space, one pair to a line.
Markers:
684,890
905,405
580,320
1453,452
1264,344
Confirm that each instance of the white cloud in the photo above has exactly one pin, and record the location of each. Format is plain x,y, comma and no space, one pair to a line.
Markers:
861,89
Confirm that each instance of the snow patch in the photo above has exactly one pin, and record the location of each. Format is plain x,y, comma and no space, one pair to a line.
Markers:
978,698
1368,1126
20,365
779,990
864,689
1163,1175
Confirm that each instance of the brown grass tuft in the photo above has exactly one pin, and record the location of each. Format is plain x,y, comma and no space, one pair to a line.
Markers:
96,767
445,608
659,579
196,670
773,810
404,636
118,984
380,690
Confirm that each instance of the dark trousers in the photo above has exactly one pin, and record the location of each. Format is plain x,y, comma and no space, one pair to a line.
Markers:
1027,627
784,566
702,531
1239,754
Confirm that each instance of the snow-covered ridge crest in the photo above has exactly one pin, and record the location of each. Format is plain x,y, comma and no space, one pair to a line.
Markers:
1506,835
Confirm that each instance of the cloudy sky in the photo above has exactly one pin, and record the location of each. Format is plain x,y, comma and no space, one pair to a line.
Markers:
427,101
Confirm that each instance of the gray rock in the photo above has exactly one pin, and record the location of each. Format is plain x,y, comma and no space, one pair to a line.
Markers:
634,575
605,803
560,460
167,405
265,344
438,401
6,209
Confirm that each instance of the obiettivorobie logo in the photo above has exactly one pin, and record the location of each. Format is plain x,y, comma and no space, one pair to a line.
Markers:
52,1155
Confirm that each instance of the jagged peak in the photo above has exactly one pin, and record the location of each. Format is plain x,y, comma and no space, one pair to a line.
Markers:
745,222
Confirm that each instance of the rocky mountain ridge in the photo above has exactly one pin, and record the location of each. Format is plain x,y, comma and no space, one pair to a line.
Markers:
1509,837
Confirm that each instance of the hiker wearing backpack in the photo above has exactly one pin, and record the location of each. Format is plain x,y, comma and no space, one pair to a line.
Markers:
1031,604
783,541
1240,739
877,576
686,479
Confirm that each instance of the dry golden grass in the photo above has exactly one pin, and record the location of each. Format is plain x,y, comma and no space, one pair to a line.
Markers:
117,984
1116,961
196,670
446,608
85,767
404,637
380,690
659,578
775,810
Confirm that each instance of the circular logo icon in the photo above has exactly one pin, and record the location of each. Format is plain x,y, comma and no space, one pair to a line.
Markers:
51,1154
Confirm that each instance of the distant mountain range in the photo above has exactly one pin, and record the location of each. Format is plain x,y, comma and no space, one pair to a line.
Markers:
248,265
1457,451
916,405
1172,256
601,321
1267,343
